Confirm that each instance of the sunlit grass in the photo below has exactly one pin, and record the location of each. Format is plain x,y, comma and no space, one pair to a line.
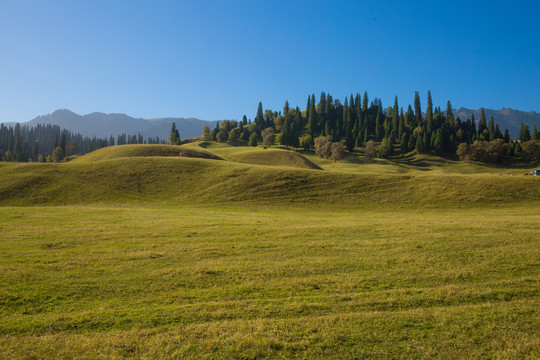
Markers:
266,282
136,252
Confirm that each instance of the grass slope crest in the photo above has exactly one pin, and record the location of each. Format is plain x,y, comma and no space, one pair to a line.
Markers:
209,172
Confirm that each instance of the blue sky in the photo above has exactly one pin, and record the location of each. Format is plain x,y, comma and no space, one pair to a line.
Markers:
218,59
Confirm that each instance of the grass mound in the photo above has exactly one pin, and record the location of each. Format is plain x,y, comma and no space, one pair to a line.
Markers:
179,180
256,155
122,151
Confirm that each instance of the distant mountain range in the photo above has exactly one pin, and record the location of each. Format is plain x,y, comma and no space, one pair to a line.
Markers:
506,118
104,125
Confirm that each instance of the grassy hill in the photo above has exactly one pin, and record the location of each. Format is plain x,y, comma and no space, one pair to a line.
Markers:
156,174
135,252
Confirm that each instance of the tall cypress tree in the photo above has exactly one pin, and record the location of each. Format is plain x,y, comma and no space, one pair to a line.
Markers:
417,108
312,119
429,113
259,118
174,135
286,108
365,102
449,113
395,120
482,125
491,129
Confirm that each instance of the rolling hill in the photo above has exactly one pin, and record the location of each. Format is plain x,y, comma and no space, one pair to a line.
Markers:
156,173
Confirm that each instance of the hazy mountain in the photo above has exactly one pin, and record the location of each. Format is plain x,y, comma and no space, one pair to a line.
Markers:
104,125
506,118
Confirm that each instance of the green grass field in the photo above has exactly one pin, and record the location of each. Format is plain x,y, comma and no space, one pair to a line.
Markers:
135,252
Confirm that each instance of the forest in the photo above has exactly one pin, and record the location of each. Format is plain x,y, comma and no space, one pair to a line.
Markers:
51,143
358,123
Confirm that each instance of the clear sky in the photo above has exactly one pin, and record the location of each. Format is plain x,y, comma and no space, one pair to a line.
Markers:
218,59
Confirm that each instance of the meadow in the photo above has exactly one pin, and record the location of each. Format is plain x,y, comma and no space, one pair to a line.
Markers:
251,254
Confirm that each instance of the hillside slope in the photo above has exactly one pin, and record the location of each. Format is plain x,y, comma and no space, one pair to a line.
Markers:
108,176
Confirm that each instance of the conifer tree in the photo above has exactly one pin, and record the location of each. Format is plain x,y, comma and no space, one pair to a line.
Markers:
417,108
438,142
449,112
517,148
404,143
174,136
401,126
491,129
395,120
365,102
286,108
259,118
252,139
312,120
524,133
482,125
506,136
379,129
429,113
350,142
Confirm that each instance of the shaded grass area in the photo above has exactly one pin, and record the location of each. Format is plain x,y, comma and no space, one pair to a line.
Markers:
267,282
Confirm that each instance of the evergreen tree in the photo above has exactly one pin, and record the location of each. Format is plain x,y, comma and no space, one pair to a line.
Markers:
482,125
312,120
174,136
259,118
252,139
350,142
286,108
491,129
365,102
517,148
379,129
395,120
534,133
506,136
404,143
449,112
417,108
429,113
63,142
524,133
438,142
420,145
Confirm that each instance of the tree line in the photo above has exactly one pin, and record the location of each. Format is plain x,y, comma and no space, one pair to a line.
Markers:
46,142
356,121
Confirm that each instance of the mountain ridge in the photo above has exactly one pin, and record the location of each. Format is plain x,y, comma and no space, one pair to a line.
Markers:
507,118
104,125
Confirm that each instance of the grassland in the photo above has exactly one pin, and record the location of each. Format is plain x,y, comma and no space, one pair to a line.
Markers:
138,255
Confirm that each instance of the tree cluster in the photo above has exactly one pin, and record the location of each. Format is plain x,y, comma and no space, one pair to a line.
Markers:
486,151
51,143
357,121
